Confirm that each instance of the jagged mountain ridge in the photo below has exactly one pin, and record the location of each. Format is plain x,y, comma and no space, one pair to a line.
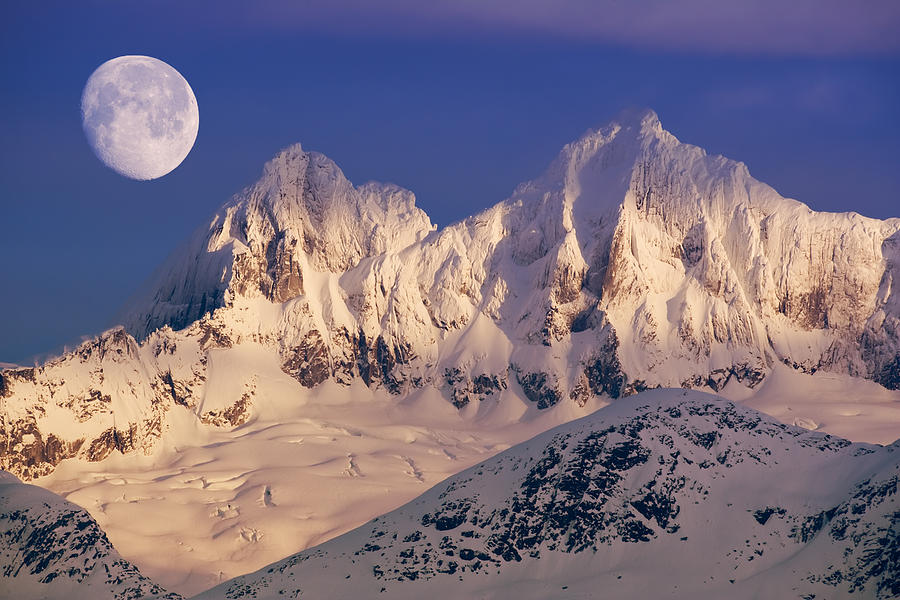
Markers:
639,487
302,214
634,261
677,258
52,549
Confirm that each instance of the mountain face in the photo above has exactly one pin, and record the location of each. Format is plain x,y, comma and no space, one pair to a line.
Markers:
634,261
52,549
713,499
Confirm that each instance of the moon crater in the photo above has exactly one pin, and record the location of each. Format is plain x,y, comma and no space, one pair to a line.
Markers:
140,116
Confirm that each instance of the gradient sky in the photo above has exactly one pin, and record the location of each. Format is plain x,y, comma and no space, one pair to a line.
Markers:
457,100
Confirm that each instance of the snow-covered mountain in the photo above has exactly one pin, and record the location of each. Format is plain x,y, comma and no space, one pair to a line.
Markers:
690,269
634,261
671,493
675,267
311,317
53,549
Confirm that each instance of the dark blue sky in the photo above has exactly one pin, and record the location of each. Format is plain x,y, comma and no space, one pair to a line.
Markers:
458,103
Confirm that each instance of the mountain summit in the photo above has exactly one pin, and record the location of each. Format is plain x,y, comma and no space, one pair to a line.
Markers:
653,261
634,261
301,215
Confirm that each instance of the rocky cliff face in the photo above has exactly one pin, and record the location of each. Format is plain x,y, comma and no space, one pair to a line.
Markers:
713,499
634,261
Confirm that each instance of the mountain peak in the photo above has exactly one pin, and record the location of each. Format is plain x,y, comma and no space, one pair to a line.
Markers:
643,119
302,216
620,142
632,126
285,155
628,231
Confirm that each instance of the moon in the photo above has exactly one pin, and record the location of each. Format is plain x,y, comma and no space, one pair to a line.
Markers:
140,116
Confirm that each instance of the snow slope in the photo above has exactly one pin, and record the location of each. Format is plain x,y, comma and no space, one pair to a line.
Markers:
52,549
670,493
213,503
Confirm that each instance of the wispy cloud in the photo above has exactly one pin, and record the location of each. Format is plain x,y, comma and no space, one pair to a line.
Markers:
824,95
743,97
768,27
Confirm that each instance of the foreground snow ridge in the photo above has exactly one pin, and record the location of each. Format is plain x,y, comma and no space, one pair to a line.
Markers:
670,493
50,548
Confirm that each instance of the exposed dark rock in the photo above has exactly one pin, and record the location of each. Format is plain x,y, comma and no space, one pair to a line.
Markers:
762,516
233,416
807,308
351,355
9,377
212,335
179,391
692,245
386,360
463,390
889,375
604,374
552,329
566,284
581,391
873,549
112,439
716,380
451,516
538,388
308,363
85,407
749,375
283,273
28,453
116,344
375,362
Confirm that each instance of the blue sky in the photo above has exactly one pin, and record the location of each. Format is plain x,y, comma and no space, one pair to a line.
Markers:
458,101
